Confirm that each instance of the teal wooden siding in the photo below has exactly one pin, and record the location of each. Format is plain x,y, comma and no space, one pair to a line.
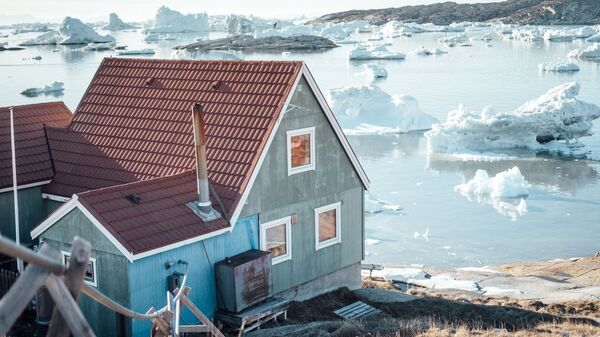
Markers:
148,276
32,210
275,195
111,268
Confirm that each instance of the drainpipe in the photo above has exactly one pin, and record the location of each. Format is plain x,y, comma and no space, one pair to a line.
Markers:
203,206
15,187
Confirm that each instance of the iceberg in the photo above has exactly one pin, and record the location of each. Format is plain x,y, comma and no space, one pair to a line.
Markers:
593,39
55,88
170,21
375,71
236,24
585,32
506,184
591,53
115,23
559,35
559,67
356,106
537,125
71,31
374,53
136,52
455,40
422,51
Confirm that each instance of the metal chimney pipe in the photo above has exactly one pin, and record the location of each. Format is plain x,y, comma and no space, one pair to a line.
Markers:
201,167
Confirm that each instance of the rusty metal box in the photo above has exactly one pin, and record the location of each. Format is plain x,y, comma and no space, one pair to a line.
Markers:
244,280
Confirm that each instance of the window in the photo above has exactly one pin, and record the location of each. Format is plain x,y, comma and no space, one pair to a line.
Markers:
275,237
327,225
301,150
90,273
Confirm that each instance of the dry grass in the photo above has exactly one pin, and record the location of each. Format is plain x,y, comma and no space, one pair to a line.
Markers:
543,330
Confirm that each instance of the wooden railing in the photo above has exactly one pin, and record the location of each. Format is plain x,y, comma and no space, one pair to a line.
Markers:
65,285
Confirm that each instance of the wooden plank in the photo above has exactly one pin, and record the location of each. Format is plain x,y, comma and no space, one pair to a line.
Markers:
171,307
194,309
78,263
193,328
8,247
357,309
21,293
68,307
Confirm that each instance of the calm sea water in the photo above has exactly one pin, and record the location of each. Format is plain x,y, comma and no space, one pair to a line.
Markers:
563,218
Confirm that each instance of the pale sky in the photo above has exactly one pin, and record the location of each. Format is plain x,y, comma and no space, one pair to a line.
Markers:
140,10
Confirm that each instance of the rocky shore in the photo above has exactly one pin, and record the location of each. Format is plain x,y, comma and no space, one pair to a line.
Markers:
531,12
271,43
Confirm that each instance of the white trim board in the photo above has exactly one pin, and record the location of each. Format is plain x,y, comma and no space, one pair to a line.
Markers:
22,187
54,197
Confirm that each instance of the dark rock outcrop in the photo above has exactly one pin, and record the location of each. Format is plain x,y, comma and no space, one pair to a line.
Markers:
271,43
533,12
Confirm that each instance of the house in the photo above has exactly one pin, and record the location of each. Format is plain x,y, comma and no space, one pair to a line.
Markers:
280,176
34,166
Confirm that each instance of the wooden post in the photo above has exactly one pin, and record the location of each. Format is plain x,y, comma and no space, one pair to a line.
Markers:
21,293
69,309
78,263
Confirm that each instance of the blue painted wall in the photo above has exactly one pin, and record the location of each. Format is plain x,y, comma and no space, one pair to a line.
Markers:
148,276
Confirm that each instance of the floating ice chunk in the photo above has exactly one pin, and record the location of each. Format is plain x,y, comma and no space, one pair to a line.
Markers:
506,184
99,46
455,40
136,52
372,242
559,67
590,53
375,71
585,32
556,115
115,23
422,51
495,291
369,104
527,34
425,235
593,39
374,53
54,88
71,31
373,205
170,21
559,35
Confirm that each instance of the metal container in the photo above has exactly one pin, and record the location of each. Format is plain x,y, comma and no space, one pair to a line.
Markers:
244,280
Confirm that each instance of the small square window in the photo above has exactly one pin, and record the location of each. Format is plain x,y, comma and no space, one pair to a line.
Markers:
90,273
301,150
327,225
275,237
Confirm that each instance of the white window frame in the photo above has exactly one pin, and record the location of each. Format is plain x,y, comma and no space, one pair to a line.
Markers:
93,283
288,238
338,225
313,157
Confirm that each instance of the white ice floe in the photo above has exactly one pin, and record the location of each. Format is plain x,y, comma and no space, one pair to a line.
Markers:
374,53
455,40
115,23
136,52
506,184
374,205
372,242
358,105
424,235
501,292
593,39
374,71
54,88
71,31
422,51
559,67
170,21
99,46
590,53
550,123
527,34
504,191
559,35
585,32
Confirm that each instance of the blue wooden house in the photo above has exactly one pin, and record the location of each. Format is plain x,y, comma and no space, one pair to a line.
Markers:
170,162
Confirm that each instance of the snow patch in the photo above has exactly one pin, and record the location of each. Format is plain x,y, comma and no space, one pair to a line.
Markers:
372,242
495,291
479,270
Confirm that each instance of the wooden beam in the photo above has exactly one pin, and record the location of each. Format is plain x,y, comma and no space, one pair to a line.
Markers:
194,309
21,293
8,247
78,263
193,328
68,307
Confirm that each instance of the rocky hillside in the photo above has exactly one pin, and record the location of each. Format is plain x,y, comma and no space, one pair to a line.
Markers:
533,12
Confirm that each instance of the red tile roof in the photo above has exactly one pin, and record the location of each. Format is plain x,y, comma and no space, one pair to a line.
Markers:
150,214
31,149
132,133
